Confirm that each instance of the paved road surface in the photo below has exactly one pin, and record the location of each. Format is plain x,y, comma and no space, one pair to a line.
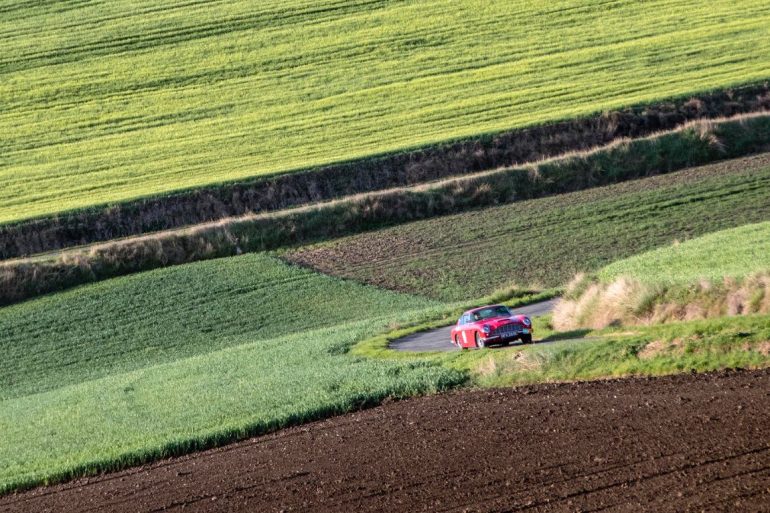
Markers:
438,339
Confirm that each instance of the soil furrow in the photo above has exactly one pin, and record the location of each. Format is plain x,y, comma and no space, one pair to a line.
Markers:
677,443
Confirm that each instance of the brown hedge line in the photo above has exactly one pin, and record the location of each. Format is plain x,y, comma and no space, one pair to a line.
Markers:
371,174
696,144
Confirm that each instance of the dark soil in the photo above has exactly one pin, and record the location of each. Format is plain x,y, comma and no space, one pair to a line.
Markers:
681,443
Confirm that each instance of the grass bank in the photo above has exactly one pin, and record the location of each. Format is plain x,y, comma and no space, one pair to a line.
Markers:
722,273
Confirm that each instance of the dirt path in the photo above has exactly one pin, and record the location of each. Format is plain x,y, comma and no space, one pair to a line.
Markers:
684,443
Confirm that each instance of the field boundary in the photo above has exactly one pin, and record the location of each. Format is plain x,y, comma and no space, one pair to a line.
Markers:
405,168
695,144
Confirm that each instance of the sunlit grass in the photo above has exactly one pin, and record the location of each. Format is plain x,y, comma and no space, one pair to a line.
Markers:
114,100
169,361
735,253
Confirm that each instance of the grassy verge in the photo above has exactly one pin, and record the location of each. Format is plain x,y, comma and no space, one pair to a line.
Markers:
742,342
149,99
697,346
544,242
695,144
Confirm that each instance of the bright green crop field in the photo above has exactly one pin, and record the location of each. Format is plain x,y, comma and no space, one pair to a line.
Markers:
736,253
544,242
106,101
172,360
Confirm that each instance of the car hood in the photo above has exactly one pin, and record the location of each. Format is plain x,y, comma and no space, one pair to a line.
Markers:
496,322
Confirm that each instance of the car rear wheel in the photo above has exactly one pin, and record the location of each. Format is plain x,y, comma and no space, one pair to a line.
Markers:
526,339
479,341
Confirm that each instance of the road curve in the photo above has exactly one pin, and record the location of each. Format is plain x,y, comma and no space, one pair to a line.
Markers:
438,339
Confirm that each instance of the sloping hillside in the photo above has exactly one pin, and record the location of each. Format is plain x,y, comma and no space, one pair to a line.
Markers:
106,101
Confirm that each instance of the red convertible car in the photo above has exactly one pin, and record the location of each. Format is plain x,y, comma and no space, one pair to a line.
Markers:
488,325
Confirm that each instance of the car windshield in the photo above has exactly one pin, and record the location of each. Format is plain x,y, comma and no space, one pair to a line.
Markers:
492,311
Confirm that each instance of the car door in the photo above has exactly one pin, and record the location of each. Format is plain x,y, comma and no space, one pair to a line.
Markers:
466,337
457,336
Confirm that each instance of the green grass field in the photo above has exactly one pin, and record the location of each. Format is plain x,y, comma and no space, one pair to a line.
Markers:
735,253
160,316
172,360
544,242
107,101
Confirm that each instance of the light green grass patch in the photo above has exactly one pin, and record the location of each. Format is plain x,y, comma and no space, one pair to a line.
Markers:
149,318
736,253
201,401
117,100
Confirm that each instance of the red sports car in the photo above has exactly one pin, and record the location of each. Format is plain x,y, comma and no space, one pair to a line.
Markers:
487,325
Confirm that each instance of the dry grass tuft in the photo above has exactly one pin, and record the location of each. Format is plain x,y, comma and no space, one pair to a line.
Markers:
629,302
660,347
763,348
487,367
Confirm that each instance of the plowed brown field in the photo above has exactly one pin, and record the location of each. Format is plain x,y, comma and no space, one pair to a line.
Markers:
680,443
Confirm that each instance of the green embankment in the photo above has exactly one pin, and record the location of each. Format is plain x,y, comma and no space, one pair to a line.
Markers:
147,99
735,253
696,346
170,361
544,242
700,346
723,273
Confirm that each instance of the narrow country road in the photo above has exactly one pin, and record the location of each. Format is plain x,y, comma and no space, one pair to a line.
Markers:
438,339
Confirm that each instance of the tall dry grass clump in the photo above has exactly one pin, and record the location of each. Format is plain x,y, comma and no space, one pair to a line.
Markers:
590,303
